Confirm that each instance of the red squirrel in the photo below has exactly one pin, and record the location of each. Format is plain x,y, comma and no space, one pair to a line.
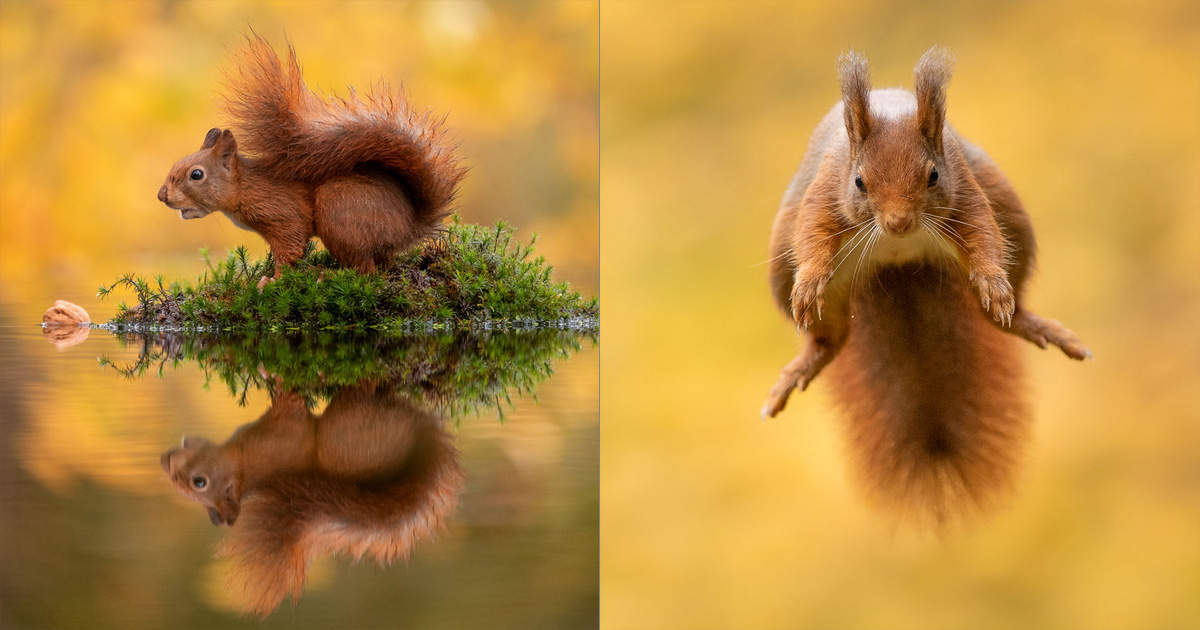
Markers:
902,251
369,477
369,176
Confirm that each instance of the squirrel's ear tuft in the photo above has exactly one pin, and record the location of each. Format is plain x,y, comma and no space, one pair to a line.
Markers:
856,89
210,139
929,83
226,148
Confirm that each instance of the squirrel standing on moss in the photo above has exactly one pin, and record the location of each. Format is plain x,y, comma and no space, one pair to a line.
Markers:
369,176
901,250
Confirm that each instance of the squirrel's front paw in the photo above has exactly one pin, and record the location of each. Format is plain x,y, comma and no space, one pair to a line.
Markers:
996,294
808,297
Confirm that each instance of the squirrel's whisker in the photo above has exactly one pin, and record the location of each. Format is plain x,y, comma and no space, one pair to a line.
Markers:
933,230
769,260
850,243
866,253
860,224
947,230
861,238
968,223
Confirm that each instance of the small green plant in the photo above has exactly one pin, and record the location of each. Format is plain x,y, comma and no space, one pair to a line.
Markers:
466,276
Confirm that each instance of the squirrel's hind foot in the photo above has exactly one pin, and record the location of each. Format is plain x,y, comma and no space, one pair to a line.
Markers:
1042,332
778,396
799,372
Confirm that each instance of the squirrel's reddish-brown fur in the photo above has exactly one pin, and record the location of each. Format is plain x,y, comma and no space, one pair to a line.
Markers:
902,252
369,477
368,175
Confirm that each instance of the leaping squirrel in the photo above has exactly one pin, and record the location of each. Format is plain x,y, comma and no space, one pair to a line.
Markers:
368,175
902,252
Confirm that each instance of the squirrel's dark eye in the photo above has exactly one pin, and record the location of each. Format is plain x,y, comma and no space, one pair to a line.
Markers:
197,174
933,178
859,182
199,482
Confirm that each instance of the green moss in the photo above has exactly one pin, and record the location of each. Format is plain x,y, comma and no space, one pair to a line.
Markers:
456,373
466,276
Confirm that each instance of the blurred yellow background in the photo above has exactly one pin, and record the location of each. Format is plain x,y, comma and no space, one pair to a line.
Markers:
99,99
713,519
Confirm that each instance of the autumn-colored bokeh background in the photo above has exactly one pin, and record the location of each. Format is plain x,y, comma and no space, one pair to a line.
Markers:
713,519
97,101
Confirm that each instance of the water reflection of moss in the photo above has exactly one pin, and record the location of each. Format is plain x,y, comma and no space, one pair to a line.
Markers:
467,276
455,373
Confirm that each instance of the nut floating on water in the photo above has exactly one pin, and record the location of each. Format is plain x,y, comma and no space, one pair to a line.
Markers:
62,324
64,313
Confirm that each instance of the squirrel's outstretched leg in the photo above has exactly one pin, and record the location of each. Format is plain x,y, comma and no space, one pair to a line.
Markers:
825,338
1041,331
818,303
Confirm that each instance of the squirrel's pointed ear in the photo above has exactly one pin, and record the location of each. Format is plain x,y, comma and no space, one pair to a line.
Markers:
225,148
856,89
210,139
929,83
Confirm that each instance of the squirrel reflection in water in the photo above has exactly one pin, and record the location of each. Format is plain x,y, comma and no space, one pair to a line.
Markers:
369,477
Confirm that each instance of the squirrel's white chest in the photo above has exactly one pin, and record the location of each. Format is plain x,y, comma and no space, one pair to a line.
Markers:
885,249
237,222
897,250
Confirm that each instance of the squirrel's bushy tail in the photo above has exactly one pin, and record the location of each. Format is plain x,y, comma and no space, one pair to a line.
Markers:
936,422
297,134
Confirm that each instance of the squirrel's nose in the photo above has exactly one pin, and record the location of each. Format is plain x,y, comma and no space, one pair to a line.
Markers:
899,224
162,194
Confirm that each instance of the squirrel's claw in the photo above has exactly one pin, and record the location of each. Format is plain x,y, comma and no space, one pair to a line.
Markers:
808,295
996,294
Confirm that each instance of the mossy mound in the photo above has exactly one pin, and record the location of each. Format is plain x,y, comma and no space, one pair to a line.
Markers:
467,276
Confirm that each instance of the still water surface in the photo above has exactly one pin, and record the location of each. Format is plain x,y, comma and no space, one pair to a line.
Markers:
462,470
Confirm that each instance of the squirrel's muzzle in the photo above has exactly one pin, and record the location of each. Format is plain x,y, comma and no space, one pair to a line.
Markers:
162,194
